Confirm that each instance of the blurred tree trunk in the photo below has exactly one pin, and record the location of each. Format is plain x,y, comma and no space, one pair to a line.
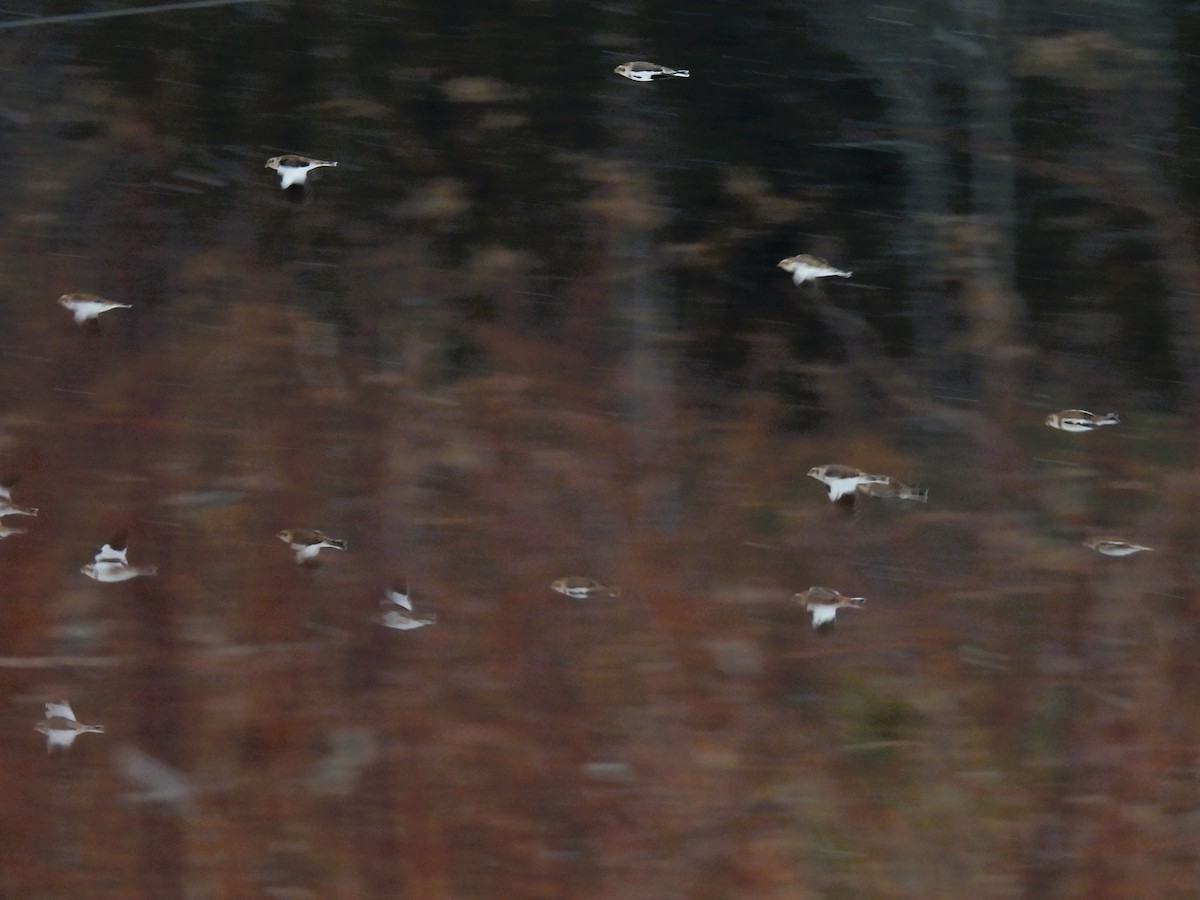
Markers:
632,211
995,310
954,231
910,81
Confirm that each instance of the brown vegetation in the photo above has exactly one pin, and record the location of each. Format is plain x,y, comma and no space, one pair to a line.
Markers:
488,370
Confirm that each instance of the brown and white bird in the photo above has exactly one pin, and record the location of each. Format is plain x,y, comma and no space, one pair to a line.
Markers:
400,614
294,169
85,307
823,604
111,564
1114,546
7,507
648,71
583,588
841,481
1077,420
61,727
809,268
307,543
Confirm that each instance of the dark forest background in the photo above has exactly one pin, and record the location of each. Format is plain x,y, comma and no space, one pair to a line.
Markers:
531,326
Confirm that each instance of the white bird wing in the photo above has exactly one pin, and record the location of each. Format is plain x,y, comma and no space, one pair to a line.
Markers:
59,708
396,619
822,614
401,600
5,493
60,737
307,551
108,554
402,621
289,175
840,487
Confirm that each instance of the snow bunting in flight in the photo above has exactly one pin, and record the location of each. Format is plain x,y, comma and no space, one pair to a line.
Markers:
894,490
1080,420
111,564
7,507
1113,546
583,588
87,307
306,543
61,727
809,268
400,613
843,480
823,603
294,169
647,71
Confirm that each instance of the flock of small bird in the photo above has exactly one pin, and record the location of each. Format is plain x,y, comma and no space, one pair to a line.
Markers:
843,483
111,563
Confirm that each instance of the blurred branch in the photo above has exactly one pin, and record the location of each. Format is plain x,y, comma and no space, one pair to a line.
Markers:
860,650
55,662
111,13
